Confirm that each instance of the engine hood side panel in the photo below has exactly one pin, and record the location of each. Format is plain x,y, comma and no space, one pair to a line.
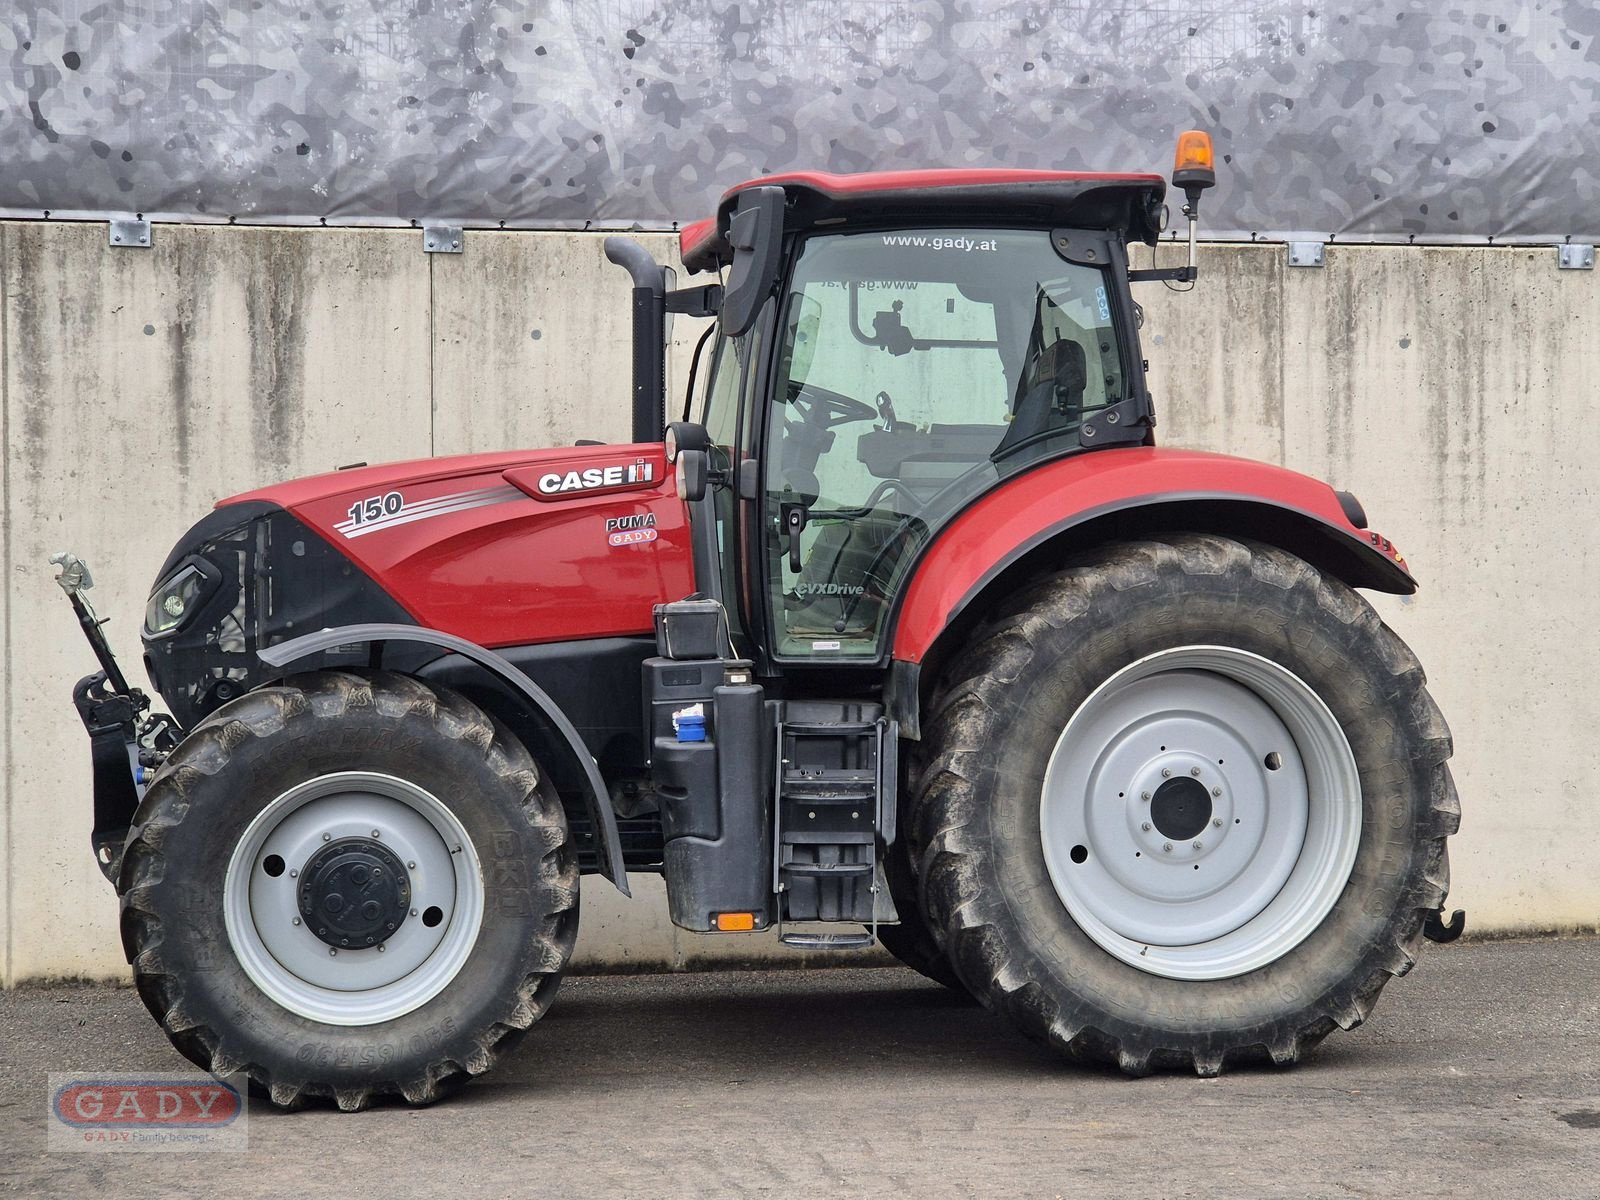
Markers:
516,549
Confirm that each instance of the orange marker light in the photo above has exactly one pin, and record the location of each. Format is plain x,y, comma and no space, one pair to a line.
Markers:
1194,165
736,922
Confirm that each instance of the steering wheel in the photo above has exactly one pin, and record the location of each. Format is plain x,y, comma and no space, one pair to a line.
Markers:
824,409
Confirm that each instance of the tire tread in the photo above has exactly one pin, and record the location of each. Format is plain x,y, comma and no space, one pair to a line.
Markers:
262,714
944,814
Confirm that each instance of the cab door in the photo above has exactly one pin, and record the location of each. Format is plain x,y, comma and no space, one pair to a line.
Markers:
915,369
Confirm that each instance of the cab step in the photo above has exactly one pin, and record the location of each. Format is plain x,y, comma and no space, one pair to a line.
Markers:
836,774
827,941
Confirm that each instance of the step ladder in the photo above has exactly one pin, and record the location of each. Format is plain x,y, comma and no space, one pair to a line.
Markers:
836,775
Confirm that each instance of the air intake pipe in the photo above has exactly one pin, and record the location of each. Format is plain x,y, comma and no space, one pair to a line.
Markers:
649,336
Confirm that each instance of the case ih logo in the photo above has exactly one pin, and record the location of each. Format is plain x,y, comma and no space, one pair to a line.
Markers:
557,483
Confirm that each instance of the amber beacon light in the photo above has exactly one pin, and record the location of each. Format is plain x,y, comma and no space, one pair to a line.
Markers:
1194,168
1194,165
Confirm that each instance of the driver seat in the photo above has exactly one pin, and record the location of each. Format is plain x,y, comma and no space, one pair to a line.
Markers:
1052,394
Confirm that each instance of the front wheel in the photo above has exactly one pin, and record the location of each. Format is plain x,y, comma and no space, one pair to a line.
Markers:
1187,805
348,885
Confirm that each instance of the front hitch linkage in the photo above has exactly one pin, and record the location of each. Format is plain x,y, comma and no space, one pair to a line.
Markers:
125,743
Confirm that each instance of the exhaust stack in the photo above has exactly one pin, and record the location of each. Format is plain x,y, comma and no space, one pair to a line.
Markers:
649,336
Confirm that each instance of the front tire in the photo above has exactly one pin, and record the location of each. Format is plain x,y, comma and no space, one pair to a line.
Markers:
1186,806
346,886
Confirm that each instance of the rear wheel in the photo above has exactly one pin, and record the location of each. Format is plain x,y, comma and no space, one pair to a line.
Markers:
347,886
912,941
1187,805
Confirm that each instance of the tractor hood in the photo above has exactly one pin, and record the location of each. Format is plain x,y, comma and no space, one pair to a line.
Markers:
506,549
510,548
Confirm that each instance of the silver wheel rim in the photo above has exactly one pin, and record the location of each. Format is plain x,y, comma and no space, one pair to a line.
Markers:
1257,871
358,985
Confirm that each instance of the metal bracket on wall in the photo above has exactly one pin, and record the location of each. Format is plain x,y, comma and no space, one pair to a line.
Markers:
129,231
1305,254
1575,256
442,239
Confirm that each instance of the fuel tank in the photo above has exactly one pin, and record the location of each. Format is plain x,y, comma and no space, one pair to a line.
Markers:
513,548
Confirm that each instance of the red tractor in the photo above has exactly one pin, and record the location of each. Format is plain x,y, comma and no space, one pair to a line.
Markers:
907,626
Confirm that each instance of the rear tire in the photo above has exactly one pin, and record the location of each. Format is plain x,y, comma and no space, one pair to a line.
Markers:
912,941
1032,807
239,837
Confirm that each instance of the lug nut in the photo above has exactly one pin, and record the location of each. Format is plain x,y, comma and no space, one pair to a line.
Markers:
1216,791
297,920
1166,772
1167,847
1194,770
332,953
327,837
1145,826
294,874
380,949
376,834
1217,821
1198,846
411,866
1144,795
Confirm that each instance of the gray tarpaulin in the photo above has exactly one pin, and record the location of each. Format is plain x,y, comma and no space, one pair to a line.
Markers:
1434,120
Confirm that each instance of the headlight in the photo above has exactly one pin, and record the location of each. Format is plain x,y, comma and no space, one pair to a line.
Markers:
179,597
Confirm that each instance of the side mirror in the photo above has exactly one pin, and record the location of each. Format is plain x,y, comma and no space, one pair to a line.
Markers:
692,469
683,436
756,234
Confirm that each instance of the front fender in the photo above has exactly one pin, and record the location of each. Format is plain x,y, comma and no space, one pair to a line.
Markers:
596,795
1109,494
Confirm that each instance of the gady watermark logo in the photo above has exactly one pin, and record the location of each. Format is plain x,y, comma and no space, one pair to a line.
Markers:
144,1112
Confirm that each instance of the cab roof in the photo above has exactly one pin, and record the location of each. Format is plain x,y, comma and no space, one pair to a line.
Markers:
985,197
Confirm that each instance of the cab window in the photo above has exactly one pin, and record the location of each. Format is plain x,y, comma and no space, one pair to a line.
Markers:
916,368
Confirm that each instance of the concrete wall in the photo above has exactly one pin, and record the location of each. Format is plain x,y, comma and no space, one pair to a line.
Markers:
1453,390
1447,387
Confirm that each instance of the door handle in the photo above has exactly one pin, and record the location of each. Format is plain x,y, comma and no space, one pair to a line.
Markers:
793,517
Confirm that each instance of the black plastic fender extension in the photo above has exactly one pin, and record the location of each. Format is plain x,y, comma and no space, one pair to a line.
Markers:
596,795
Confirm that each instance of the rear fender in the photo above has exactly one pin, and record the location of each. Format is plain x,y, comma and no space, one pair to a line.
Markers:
1034,520
596,795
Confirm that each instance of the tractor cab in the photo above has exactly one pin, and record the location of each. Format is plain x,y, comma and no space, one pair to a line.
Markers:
888,352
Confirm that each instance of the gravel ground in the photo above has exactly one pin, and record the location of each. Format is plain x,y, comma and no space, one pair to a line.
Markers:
1478,1075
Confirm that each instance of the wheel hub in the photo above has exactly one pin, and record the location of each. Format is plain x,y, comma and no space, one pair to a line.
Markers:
1181,808
354,892
312,838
